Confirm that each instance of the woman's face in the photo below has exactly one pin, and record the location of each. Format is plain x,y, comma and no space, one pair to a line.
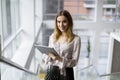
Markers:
62,23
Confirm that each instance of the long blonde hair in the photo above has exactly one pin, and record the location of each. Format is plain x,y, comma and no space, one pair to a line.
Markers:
69,32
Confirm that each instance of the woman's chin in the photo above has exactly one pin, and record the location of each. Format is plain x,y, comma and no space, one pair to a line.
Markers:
62,30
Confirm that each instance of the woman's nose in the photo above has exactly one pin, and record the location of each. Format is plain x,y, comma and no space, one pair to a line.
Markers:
61,24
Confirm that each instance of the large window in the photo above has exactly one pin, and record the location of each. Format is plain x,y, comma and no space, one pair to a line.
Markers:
11,26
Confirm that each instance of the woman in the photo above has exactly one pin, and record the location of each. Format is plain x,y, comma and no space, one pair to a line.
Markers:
67,45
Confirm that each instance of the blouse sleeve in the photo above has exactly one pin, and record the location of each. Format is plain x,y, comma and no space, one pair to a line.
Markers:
75,56
45,58
50,44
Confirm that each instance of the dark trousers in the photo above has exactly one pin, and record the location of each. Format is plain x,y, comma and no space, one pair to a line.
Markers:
69,74
53,73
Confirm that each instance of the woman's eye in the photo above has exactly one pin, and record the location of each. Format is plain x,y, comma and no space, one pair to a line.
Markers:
62,21
65,21
58,21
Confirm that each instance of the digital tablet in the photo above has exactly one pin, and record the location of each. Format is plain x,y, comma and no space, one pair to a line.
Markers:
46,49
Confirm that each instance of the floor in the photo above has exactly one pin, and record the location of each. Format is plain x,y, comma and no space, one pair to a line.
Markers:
91,72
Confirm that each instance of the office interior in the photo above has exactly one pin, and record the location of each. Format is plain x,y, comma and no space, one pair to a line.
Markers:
27,23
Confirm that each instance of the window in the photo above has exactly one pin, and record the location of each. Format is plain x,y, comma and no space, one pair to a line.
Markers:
118,11
80,9
11,26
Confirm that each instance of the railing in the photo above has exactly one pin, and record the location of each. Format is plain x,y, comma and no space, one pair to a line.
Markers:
15,69
89,1
112,74
90,73
110,2
9,72
11,63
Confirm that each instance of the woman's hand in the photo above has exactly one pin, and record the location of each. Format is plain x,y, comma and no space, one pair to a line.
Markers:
54,57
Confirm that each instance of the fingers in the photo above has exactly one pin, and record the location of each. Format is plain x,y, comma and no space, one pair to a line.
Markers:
50,54
54,57
58,58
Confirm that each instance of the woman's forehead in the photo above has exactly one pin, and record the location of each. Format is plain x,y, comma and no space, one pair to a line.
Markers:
61,18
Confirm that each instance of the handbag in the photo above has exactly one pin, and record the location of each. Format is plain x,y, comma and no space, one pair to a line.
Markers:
53,73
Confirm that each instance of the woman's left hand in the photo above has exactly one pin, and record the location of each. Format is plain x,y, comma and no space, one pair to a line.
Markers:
54,57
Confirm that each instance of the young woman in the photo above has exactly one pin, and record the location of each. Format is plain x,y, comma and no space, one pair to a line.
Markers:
67,45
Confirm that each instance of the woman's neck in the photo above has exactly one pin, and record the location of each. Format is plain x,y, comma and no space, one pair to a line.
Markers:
63,34
62,38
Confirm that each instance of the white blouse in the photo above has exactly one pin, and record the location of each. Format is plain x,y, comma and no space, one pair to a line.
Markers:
69,52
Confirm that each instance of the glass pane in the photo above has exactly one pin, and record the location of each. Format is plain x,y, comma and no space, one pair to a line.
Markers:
11,25
103,52
51,7
11,18
16,14
8,52
11,48
7,29
85,54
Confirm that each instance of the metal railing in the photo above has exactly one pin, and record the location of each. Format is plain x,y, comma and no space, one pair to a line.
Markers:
109,1
11,63
116,73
